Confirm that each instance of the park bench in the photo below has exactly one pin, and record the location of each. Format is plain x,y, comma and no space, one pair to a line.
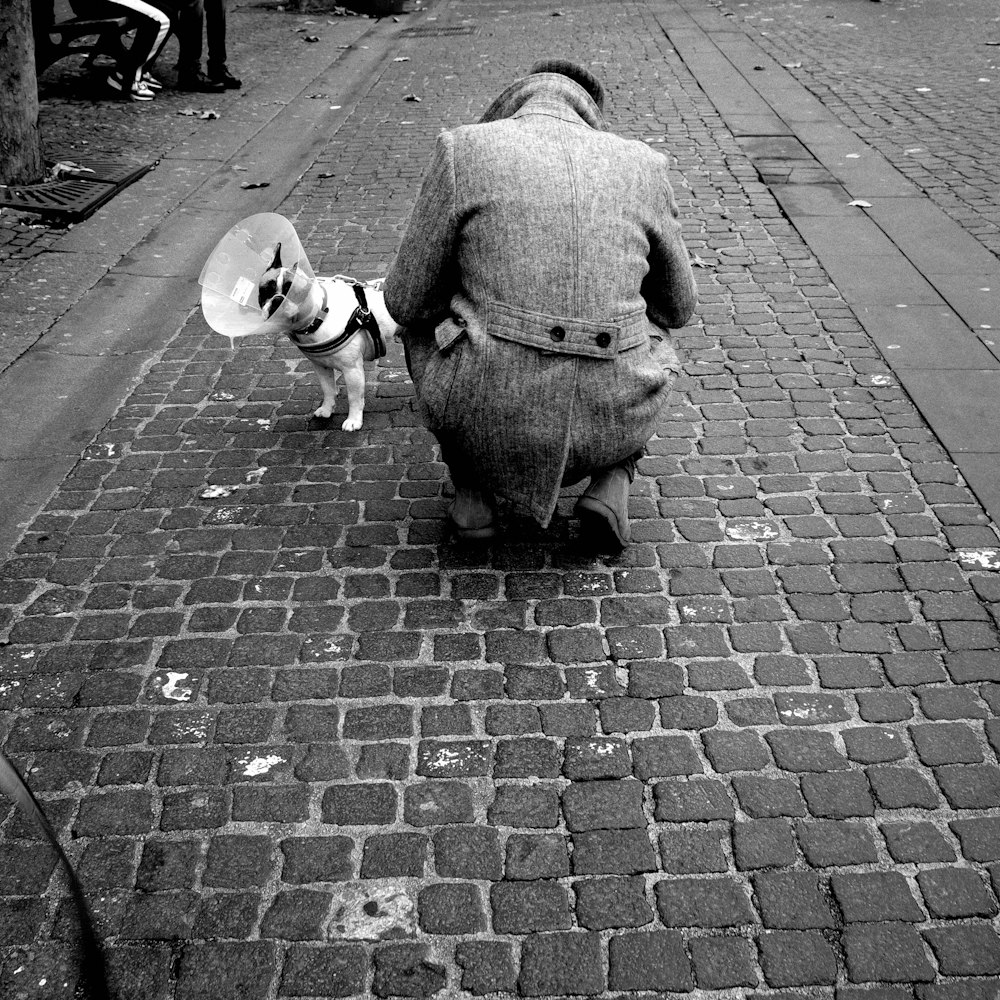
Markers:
90,36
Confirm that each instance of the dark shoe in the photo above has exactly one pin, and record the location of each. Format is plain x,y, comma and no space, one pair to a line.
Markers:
226,78
199,82
473,515
603,508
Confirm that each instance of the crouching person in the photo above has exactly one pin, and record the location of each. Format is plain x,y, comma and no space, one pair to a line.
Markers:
541,267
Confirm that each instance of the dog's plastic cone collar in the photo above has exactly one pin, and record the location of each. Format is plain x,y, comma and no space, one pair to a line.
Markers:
258,280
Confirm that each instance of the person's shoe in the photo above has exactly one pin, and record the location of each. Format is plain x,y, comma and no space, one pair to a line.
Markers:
200,83
150,82
226,78
134,91
603,508
472,515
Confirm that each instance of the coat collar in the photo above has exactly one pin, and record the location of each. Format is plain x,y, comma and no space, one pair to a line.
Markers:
548,94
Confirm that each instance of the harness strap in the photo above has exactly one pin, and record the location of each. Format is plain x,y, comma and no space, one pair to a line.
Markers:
361,319
320,317
365,320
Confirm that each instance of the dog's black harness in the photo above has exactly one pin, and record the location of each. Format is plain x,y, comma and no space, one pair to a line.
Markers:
361,319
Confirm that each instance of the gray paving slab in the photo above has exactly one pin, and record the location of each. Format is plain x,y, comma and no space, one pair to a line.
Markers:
924,336
960,405
130,216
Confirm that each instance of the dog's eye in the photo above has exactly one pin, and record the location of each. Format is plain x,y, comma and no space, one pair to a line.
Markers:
272,305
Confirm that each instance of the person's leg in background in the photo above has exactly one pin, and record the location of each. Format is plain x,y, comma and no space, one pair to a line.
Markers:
215,32
188,17
132,78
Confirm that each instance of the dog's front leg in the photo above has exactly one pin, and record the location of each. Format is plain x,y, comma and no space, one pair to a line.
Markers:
354,379
328,380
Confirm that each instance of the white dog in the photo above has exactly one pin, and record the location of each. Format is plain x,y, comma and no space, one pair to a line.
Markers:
348,324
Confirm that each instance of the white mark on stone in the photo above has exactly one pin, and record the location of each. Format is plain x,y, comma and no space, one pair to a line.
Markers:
748,531
372,913
261,765
223,514
798,713
988,559
256,474
174,690
212,492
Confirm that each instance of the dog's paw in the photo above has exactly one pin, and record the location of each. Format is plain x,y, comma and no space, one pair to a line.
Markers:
351,424
323,411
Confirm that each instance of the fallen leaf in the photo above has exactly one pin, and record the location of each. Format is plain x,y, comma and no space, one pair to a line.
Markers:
335,107
758,67
255,184
860,204
240,168
401,59
698,262
313,97
210,113
412,97
327,173
923,90
189,112
794,65
311,38
854,156
64,167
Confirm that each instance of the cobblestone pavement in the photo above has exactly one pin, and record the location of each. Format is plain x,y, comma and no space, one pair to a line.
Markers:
300,744
918,81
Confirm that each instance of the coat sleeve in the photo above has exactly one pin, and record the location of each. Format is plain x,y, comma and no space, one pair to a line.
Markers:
421,281
669,288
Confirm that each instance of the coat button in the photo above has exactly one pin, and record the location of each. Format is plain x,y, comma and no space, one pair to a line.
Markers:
557,333
603,339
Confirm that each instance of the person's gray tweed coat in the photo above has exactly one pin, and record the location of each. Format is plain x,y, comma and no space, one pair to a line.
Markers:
540,267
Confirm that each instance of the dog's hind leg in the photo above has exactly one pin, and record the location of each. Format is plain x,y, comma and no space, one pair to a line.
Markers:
354,379
328,380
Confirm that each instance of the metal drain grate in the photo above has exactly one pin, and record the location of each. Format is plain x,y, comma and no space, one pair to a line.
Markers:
433,31
74,197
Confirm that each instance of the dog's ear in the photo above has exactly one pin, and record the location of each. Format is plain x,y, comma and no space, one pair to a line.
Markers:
276,263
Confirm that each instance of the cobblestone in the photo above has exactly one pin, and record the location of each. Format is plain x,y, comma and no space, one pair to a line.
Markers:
755,753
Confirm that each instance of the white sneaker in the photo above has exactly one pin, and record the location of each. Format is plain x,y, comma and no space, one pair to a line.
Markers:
137,91
150,82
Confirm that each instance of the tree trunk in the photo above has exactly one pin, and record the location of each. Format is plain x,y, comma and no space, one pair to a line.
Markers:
20,143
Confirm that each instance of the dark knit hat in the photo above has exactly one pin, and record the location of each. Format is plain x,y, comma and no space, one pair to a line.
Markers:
576,73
